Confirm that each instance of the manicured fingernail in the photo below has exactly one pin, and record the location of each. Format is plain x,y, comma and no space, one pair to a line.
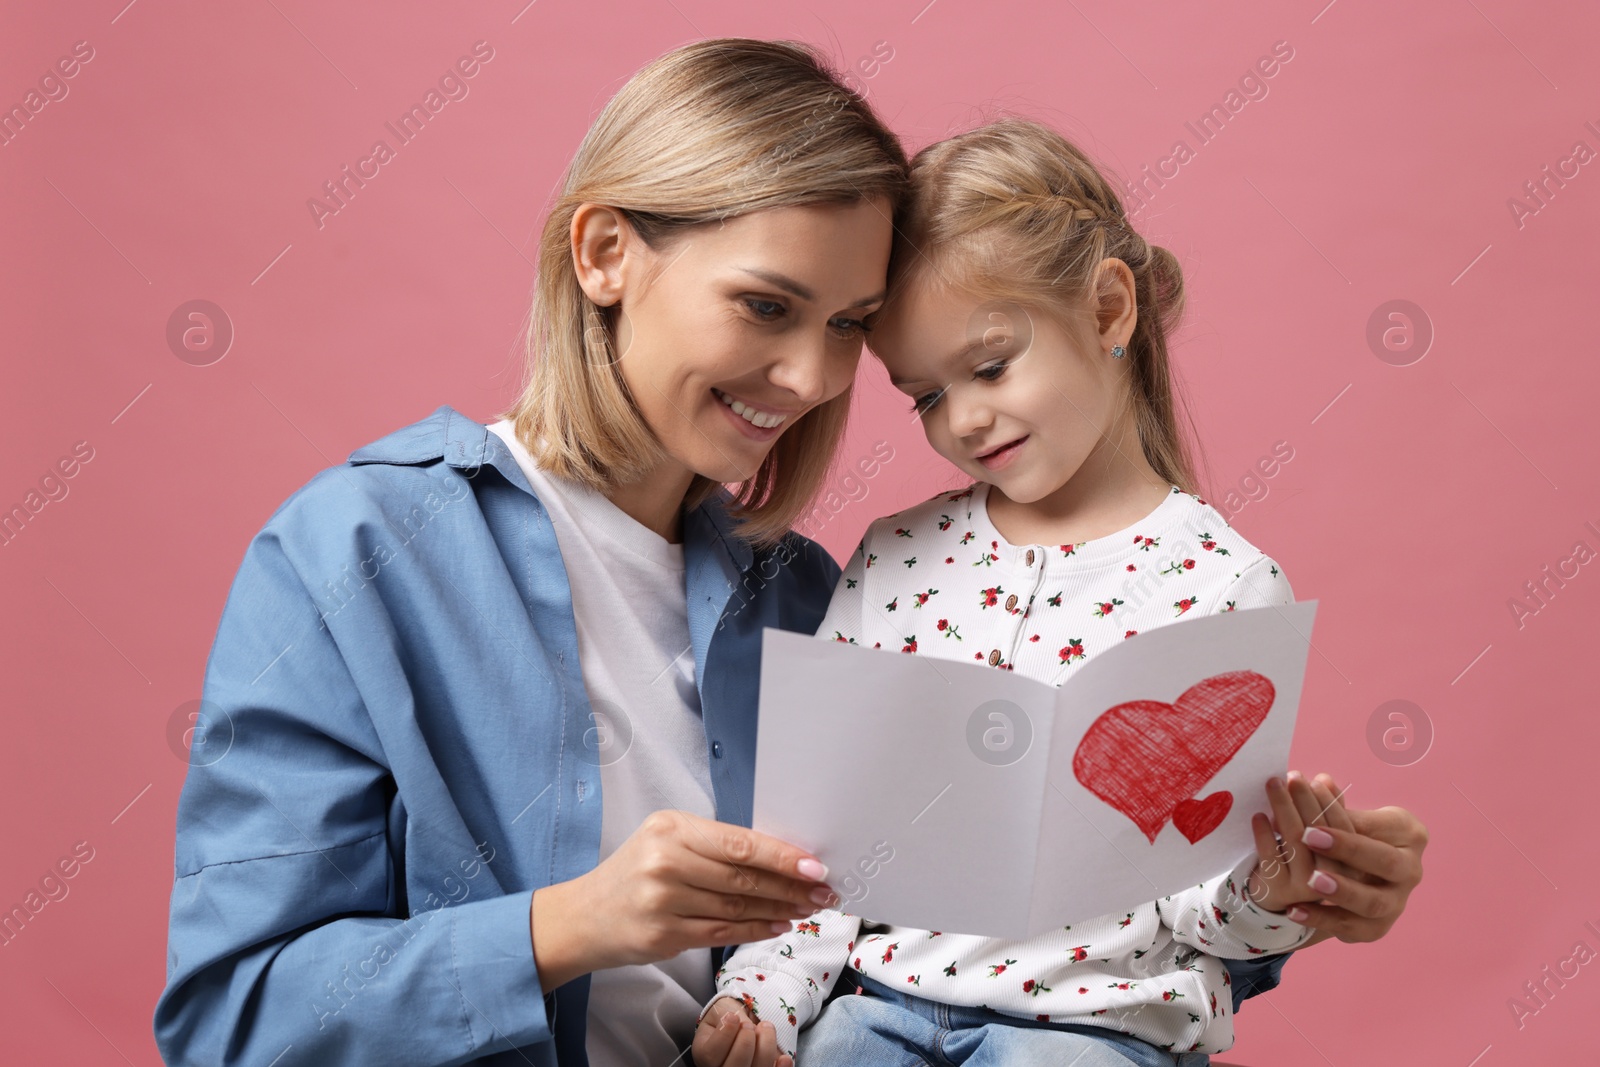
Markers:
1317,837
821,895
780,928
1322,882
812,869
1298,914
1294,776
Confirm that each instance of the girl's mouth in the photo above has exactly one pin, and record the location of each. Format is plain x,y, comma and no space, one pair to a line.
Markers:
1002,456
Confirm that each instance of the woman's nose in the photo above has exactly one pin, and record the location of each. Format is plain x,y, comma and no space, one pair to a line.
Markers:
815,372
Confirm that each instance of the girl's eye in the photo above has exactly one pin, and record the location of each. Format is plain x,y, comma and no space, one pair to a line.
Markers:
991,372
926,401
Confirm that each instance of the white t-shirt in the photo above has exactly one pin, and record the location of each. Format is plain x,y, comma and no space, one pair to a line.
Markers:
631,609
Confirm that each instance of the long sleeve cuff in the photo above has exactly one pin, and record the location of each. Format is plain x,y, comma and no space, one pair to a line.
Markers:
1239,929
770,995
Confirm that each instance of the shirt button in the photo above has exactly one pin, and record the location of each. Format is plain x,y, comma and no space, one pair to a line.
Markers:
1030,557
1011,601
716,749
994,658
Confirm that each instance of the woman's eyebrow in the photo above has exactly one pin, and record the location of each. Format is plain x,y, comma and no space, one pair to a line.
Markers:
789,285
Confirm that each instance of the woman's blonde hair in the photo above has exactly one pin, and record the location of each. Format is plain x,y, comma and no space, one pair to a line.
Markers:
706,132
1014,212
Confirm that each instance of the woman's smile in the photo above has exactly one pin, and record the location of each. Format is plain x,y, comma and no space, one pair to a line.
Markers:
761,424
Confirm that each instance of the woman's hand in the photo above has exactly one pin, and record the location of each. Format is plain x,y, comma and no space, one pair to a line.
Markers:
729,1036
1374,858
677,882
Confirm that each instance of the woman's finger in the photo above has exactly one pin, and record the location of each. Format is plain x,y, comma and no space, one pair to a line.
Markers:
1342,924
743,846
1368,855
1393,825
692,902
720,876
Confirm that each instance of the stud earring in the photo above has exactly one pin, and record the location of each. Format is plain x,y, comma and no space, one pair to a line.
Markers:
1117,351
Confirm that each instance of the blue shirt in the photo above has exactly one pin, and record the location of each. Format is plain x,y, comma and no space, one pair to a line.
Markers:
392,758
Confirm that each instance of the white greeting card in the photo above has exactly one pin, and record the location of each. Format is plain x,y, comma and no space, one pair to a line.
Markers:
947,795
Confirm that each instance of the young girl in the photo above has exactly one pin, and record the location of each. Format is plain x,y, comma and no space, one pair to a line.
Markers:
1028,324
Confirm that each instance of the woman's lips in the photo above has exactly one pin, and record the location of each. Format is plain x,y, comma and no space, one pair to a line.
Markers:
748,428
1002,456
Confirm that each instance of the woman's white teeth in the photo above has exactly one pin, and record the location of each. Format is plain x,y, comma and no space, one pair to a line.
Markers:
750,414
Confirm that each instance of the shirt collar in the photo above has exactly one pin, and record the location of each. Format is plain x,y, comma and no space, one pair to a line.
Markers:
465,444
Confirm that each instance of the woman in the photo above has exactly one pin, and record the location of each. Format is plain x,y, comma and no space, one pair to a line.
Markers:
437,658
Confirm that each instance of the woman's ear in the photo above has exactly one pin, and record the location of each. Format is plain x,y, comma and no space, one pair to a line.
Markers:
599,238
1117,311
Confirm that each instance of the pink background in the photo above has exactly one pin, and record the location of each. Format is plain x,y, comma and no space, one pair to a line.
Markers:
1420,498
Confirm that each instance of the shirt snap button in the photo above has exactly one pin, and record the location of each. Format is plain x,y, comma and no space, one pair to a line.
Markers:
994,658
716,749
1030,557
1011,601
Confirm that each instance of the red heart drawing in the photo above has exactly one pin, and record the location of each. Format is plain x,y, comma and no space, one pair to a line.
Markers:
1197,818
1145,757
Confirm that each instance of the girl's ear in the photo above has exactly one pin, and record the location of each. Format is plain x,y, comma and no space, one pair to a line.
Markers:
1117,310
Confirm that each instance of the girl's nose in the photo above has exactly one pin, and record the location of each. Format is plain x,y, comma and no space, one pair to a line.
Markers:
967,415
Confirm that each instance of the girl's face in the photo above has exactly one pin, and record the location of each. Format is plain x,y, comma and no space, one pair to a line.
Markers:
1004,392
732,332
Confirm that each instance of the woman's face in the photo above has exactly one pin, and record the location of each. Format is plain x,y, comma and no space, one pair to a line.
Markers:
1010,397
731,332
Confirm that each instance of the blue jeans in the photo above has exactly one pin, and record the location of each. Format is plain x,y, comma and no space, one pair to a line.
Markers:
887,1028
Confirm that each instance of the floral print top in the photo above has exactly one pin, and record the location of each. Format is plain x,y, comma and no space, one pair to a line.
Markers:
938,579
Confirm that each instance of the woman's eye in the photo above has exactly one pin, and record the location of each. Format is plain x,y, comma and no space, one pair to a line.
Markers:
853,327
764,309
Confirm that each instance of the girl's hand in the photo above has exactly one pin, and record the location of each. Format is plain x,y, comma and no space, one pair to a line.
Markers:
678,882
1286,871
728,1037
1374,859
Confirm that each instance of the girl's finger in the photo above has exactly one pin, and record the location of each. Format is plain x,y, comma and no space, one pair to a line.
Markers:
1285,816
1269,859
743,1051
712,1042
1332,798
1290,827
1305,801
766,1044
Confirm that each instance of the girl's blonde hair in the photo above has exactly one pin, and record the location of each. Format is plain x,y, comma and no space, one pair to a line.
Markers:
707,132
1014,212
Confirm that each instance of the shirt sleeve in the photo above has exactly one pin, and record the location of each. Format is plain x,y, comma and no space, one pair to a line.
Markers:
843,620
786,978
290,939
1260,585
1219,919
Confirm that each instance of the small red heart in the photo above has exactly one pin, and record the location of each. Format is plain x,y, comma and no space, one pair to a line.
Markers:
1197,818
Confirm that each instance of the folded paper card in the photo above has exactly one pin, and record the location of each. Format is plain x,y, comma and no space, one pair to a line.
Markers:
948,795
